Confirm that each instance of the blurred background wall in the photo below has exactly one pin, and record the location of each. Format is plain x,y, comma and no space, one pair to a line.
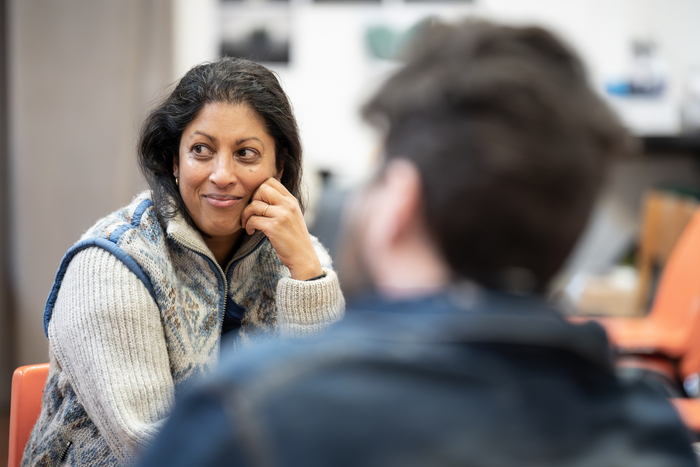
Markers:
80,75
6,323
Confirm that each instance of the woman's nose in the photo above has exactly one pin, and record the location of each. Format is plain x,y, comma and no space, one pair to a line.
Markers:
223,172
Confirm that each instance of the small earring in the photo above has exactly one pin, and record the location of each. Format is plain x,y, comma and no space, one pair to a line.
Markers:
177,181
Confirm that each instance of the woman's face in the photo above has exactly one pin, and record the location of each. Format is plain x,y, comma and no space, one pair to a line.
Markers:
225,154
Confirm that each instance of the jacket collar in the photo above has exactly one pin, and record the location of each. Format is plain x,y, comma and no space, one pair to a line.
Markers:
456,315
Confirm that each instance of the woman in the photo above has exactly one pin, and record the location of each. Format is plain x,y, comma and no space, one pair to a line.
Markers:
218,248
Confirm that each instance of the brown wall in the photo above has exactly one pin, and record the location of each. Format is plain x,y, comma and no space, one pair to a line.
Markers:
82,73
6,324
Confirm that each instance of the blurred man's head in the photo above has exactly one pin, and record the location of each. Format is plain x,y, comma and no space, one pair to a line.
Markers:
494,150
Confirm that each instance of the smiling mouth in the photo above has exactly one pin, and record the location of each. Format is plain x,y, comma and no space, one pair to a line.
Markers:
221,201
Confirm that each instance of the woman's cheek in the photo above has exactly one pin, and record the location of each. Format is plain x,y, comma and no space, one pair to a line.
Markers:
253,181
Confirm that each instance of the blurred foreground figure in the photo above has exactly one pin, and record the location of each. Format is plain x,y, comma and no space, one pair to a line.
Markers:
494,151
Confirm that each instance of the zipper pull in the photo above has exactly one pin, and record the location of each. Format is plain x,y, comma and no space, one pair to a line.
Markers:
65,453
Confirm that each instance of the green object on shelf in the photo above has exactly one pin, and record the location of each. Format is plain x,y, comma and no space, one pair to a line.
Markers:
386,43
383,42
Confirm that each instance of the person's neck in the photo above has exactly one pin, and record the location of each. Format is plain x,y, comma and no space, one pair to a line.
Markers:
223,248
411,270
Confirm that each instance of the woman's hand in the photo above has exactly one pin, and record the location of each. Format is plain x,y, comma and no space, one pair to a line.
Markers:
276,212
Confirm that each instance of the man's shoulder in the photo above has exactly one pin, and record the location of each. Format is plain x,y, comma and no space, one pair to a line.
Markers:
376,381
430,335
414,382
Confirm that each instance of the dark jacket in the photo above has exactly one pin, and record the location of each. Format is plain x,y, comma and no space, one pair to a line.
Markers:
455,379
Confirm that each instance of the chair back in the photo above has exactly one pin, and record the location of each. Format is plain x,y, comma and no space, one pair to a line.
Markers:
677,302
665,217
680,288
27,389
672,327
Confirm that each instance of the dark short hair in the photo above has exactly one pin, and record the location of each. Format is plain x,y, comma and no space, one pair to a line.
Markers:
228,80
510,141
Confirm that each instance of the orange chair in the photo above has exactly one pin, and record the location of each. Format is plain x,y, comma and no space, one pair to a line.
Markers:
27,389
667,341
672,327
666,215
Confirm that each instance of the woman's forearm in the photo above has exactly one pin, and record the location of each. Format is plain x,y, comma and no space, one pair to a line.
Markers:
306,308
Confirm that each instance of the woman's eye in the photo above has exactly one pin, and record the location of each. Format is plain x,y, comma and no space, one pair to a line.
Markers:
247,153
201,150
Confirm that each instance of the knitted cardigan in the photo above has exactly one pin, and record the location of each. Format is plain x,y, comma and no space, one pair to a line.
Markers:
135,316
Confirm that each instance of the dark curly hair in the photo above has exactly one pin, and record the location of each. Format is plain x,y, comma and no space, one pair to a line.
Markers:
510,141
228,80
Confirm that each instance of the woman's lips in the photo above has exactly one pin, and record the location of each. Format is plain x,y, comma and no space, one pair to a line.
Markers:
221,201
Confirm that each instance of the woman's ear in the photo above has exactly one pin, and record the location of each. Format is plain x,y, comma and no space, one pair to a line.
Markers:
176,167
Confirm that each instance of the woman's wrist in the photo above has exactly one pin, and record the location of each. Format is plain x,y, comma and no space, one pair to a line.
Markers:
310,270
320,276
308,275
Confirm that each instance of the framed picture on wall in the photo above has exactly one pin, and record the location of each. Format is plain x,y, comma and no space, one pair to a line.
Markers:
259,31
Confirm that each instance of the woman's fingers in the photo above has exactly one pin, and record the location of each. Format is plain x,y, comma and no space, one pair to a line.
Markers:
254,217
274,211
255,208
273,192
264,224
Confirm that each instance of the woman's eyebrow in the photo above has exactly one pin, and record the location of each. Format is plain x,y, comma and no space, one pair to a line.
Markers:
210,137
243,140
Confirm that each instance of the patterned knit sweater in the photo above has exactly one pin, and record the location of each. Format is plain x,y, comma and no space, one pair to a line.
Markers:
135,316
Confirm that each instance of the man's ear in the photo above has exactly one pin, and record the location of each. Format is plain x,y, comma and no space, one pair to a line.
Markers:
397,203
